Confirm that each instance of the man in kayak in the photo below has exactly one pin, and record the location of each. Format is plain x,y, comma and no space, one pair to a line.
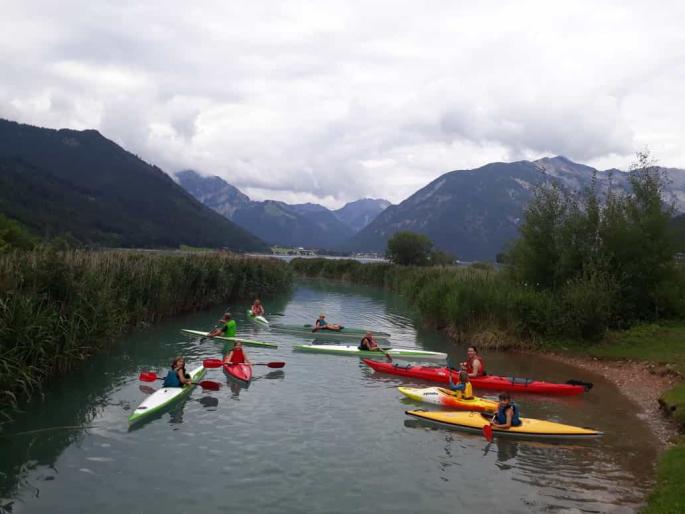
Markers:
475,364
322,324
507,414
177,376
237,355
463,389
257,308
226,328
369,344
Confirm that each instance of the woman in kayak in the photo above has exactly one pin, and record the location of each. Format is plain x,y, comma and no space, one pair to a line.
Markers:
369,344
257,308
237,355
226,328
475,364
322,324
507,414
463,389
177,376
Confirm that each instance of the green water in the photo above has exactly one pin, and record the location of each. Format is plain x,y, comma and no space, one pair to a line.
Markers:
324,434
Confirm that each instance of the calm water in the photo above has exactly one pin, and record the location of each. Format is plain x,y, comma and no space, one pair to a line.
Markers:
325,434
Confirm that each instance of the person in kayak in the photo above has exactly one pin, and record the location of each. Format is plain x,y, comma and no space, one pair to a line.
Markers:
227,327
507,414
369,344
237,355
257,308
322,324
463,389
177,376
475,364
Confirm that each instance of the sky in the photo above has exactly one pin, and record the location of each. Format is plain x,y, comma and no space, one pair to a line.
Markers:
333,101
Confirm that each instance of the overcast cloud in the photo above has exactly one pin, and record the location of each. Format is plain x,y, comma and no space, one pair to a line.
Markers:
332,101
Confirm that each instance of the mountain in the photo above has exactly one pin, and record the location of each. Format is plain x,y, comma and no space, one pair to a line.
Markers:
360,213
308,225
473,214
79,182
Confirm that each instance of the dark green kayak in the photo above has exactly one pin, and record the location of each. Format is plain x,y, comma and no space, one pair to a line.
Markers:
344,333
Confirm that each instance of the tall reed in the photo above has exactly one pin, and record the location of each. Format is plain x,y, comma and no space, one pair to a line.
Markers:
58,308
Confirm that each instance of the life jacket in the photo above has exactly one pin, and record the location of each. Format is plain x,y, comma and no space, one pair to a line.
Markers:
237,357
171,379
257,310
462,390
501,416
469,365
229,328
321,323
369,344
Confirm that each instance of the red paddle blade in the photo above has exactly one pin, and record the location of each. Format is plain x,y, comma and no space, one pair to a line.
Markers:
210,384
487,432
275,364
148,376
212,363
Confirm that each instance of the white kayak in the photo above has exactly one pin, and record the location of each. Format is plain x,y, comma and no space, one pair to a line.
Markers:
259,320
164,397
395,353
246,342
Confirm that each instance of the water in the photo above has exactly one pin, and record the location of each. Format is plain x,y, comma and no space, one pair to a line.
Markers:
325,434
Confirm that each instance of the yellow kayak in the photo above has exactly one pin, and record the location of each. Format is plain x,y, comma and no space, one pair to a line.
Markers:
446,398
529,428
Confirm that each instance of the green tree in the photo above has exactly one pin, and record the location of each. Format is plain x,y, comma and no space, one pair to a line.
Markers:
409,249
13,235
440,258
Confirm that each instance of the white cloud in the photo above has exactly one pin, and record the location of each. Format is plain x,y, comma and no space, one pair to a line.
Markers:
331,101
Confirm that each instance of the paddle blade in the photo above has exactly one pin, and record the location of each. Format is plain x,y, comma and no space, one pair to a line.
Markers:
148,376
212,363
487,432
210,385
275,364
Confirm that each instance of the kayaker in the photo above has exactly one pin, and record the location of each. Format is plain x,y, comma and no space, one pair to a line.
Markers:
257,308
369,344
463,389
237,355
322,324
475,364
227,327
177,376
507,414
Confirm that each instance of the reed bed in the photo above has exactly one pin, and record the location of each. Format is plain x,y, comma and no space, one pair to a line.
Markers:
58,308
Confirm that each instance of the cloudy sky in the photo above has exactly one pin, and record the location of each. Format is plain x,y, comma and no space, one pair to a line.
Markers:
332,101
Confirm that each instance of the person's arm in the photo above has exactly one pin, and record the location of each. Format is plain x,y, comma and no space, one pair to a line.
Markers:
182,378
476,368
247,359
510,415
229,356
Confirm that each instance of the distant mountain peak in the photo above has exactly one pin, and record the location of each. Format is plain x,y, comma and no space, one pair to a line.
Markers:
360,213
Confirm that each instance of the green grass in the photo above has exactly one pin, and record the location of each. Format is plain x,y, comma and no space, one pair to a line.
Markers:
668,497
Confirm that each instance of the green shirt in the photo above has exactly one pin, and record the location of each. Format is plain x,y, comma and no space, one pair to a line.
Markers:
230,328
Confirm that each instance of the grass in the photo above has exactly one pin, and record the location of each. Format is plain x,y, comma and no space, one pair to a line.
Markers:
668,497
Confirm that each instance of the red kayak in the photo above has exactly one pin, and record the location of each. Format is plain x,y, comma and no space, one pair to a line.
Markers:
518,385
241,372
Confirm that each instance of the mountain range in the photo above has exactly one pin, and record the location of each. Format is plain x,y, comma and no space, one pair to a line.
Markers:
309,225
78,182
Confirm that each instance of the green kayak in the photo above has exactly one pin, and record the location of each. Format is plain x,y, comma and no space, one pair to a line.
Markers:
354,351
344,333
246,342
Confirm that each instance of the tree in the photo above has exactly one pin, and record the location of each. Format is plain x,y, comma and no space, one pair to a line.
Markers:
440,258
409,249
13,235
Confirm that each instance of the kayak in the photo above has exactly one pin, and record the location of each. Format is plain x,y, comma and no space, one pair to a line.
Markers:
246,342
399,353
446,398
241,372
164,397
259,320
344,333
529,428
518,385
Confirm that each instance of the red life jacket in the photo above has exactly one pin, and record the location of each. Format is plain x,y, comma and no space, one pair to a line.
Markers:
237,357
469,365
257,310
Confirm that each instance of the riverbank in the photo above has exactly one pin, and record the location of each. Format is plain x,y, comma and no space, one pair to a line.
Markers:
59,308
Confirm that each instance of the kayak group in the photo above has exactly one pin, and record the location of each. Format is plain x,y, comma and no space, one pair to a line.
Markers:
502,416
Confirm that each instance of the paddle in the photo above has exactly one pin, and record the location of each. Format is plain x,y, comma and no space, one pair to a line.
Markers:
487,432
217,363
151,376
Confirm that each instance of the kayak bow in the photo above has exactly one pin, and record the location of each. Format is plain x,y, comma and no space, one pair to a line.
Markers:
246,342
446,398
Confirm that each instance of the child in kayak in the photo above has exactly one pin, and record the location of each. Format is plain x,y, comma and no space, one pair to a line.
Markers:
463,389
475,364
507,414
226,328
257,308
322,324
237,355
177,376
369,344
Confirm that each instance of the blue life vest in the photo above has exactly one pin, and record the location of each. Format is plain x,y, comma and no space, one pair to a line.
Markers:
171,379
321,323
501,416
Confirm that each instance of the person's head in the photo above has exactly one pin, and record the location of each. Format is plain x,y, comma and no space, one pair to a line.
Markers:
322,316
237,344
257,301
227,316
178,363
463,377
471,351
369,333
504,398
